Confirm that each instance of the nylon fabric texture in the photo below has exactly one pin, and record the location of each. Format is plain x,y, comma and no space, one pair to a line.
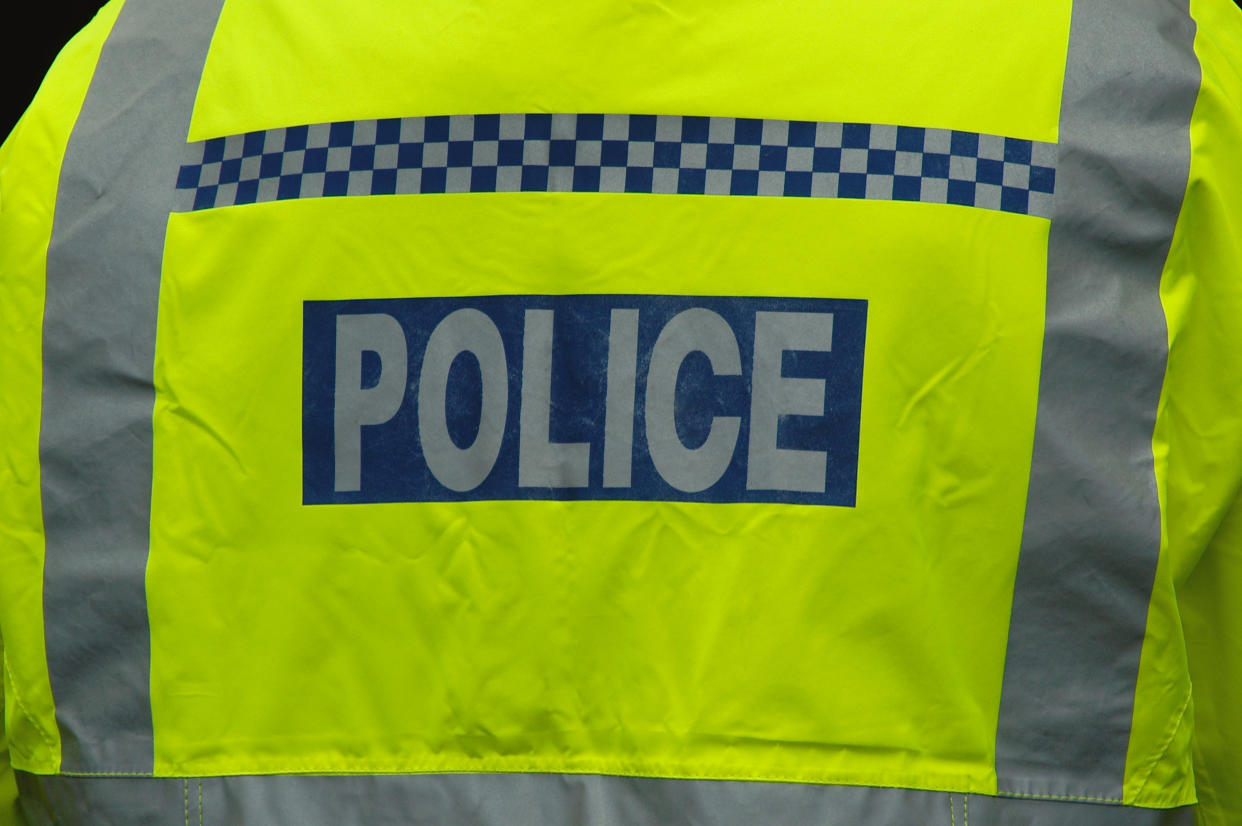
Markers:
603,607
8,783
623,414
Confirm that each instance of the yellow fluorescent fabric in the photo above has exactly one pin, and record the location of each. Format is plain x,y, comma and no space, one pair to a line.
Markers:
633,638
29,169
665,639
1159,771
1214,638
911,64
1199,431
8,784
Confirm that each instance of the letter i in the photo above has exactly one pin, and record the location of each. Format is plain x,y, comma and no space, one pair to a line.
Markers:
619,410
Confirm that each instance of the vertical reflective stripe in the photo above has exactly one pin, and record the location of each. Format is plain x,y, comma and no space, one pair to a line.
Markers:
103,276
544,799
1092,533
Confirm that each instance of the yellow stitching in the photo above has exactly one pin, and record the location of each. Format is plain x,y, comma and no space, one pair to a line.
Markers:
106,774
659,770
187,802
200,801
1004,793
965,810
952,816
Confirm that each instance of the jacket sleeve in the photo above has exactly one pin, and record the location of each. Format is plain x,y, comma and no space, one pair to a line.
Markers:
1206,498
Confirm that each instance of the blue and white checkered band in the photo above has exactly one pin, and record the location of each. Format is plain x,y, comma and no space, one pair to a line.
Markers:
620,153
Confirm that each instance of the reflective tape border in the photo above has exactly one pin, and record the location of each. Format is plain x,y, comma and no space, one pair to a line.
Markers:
1091,538
545,799
103,281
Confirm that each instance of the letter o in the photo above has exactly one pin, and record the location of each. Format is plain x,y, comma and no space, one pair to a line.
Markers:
462,469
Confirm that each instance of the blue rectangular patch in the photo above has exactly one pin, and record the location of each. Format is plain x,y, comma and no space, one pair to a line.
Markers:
630,397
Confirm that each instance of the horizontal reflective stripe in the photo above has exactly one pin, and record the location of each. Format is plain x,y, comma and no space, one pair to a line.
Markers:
545,799
663,154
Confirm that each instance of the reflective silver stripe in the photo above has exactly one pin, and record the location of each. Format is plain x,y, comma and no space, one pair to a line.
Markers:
103,276
1092,533
544,799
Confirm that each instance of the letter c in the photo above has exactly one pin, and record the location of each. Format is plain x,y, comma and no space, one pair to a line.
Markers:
690,469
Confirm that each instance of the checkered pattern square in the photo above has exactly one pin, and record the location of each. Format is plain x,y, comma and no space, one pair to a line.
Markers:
650,154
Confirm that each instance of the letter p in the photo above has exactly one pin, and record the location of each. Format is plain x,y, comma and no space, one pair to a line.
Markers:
355,405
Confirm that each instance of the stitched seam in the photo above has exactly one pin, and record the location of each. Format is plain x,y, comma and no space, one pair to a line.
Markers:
965,810
1007,793
1146,778
1168,743
30,718
952,816
187,802
200,801
659,771
106,774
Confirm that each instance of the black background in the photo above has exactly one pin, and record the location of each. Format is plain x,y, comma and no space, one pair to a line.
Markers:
28,49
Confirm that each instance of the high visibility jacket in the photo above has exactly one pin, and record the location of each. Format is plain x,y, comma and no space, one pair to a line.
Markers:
649,412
